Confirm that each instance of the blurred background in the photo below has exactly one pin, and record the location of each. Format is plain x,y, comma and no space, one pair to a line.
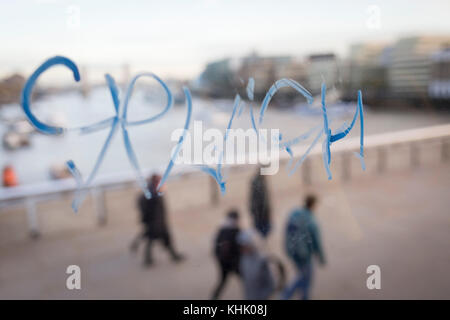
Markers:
394,214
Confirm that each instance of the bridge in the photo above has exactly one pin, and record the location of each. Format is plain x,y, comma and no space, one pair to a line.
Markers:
395,215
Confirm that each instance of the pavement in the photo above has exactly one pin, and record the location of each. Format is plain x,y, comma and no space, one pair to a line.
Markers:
399,221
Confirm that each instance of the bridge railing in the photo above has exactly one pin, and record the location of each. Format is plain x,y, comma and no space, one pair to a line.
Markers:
381,146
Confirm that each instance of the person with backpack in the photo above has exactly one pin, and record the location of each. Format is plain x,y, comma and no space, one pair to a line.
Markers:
302,242
255,268
227,250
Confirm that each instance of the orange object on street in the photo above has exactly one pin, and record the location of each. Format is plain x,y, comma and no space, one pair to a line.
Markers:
9,177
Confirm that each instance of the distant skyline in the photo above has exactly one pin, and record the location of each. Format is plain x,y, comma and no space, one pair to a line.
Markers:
177,38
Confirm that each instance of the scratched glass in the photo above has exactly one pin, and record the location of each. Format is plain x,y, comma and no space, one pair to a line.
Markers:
119,120
329,137
286,145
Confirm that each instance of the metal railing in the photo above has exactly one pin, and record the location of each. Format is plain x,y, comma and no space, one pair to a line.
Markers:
30,195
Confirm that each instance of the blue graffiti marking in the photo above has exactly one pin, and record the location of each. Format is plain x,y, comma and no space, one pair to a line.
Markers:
119,120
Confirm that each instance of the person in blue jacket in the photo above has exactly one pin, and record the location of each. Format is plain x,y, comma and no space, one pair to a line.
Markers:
302,242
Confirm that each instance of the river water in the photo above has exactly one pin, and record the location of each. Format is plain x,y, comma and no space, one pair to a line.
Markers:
152,142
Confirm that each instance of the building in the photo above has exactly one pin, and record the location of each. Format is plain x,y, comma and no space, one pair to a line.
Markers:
366,69
10,89
320,68
439,86
265,70
410,72
224,78
218,79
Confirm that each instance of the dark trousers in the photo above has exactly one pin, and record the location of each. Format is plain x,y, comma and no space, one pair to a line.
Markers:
263,229
224,272
165,240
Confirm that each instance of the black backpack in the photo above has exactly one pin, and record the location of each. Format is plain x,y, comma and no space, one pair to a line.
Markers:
226,246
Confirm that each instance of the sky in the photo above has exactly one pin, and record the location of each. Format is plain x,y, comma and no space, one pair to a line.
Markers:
177,38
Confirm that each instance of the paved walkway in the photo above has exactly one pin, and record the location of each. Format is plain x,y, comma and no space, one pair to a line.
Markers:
399,221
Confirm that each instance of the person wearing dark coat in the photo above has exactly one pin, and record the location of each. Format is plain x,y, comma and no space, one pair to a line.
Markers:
227,251
153,217
260,204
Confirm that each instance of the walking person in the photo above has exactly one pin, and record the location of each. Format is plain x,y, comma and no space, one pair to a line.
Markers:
227,251
153,217
302,242
256,273
260,204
